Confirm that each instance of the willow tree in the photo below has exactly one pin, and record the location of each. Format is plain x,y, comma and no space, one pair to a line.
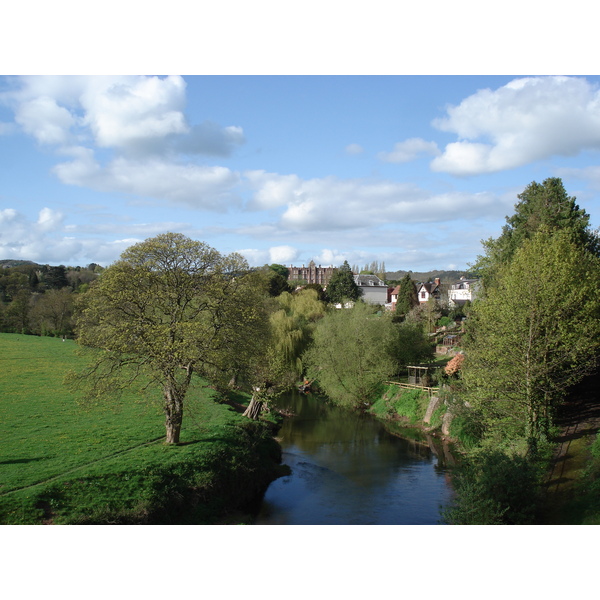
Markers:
536,334
170,308
279,365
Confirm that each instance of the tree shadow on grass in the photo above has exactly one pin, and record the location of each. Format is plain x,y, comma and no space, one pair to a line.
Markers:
18,461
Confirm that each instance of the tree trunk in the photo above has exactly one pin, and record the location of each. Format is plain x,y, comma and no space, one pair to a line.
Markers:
173,414
254,409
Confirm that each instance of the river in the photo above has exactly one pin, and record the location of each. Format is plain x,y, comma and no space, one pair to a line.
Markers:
347,469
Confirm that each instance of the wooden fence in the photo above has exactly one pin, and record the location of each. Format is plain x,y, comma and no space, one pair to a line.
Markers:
413,386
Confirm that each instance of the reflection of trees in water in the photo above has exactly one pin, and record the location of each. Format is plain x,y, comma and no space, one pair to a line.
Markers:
350,443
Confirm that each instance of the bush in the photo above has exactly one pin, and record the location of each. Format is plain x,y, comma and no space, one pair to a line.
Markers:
494,488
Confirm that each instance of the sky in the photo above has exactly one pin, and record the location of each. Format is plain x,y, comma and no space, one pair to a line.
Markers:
410,170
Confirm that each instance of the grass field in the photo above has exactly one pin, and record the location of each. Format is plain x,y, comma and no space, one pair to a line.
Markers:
63,463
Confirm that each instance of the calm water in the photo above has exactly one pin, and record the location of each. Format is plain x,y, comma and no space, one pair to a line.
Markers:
348,470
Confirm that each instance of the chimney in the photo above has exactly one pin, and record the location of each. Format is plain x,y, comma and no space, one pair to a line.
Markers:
437,281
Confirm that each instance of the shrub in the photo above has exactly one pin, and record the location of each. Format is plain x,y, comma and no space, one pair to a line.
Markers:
494,488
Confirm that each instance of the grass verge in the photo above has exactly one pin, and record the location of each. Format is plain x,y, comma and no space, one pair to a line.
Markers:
61,463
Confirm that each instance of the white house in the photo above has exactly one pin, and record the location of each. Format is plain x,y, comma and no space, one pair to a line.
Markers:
374,290
463,291
432,289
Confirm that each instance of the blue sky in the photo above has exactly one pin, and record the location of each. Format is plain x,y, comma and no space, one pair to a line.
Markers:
411,170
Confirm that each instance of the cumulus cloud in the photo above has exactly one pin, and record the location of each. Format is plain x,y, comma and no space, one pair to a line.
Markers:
211,139
332,204
282,254
23,239
141,122
528,119
409,150
196,186
48,239
131,113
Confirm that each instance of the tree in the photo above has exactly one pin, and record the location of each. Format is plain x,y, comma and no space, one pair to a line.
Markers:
348,356
342,287
407,296
279,365
52,312
547,206
169,309
408,344
535,335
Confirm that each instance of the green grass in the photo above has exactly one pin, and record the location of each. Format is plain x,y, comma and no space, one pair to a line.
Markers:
69,464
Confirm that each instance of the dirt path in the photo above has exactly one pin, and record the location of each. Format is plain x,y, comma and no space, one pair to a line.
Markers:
580,422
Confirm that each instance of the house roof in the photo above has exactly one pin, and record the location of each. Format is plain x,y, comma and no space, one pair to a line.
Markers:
369,280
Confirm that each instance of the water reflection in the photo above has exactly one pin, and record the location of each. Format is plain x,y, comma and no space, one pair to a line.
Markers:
347,469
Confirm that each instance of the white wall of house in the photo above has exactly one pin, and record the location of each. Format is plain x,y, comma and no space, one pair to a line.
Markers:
374,290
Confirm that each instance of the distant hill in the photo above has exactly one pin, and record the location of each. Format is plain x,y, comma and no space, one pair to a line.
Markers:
444,276
10,262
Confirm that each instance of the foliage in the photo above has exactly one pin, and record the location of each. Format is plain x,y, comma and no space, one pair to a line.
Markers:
407,344
536,334
277,363
342,287
170,308
495,488
275,282
445,322
348,355
407,296
280,269
544,206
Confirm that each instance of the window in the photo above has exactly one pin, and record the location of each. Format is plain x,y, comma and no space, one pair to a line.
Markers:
422,294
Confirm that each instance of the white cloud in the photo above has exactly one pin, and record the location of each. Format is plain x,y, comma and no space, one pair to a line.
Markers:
196,186
49,219
134,112
354,149
526,120
332,204
272,190
45,120
211,139
409,150
282,254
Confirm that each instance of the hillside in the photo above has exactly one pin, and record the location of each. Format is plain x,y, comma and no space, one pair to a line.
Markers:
445,276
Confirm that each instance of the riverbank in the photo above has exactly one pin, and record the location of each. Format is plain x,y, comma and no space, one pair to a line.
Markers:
63,464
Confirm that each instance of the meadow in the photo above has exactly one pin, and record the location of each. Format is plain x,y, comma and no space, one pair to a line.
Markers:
62,462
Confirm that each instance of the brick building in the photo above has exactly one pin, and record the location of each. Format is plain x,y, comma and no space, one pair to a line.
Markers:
311,274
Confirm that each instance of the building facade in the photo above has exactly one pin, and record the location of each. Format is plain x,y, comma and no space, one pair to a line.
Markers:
310,274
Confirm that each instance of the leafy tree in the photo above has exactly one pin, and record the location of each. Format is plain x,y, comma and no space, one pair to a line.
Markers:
280,269
536,334
342,287
170,308
407,296
546,206
349,355
407,344
54,277
279,365
52,312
